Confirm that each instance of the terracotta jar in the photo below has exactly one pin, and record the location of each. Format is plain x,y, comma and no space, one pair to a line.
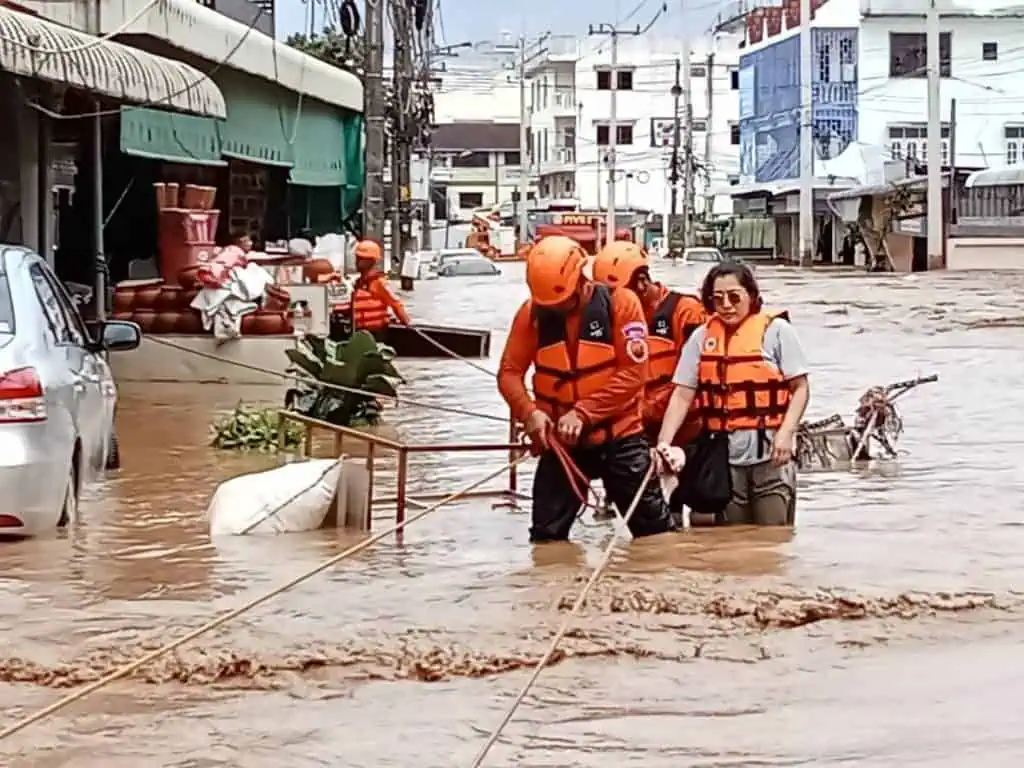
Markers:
146,296
262,323
145,319
188,278
315,269
122,315
124,299
276,299
168,299
189,322
165,322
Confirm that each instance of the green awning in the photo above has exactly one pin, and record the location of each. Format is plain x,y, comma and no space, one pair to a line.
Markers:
177,138
260,119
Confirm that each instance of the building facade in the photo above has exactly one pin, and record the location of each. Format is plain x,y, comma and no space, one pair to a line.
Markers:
570,85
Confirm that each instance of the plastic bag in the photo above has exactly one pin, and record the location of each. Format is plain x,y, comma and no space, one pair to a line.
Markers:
287,499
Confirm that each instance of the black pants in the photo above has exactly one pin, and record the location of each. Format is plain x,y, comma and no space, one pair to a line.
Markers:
622,465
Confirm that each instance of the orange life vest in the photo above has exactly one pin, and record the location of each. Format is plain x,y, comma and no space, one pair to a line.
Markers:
368,312
736,387
561,379
662,342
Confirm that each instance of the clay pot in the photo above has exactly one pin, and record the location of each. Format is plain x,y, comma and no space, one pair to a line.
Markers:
313,270
189,322
276,299
121,315
171,196
161,195
145,319
165,322
169,298
124,300
261,323
146,296
191,196
188,278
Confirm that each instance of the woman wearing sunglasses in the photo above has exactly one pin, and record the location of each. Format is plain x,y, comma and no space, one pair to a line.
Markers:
747,372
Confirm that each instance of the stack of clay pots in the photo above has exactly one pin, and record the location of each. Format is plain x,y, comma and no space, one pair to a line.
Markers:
187,227
157,307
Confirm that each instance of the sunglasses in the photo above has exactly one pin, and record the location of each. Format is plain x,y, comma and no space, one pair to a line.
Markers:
731,298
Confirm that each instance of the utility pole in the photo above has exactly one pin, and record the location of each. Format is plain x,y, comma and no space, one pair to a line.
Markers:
374,111
613,127
688,191
934,156
951,185
401,133
677,90
709,132
806,138
524,149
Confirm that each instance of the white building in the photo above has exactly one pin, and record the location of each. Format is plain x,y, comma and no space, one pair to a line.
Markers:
570,119
982,57
475,93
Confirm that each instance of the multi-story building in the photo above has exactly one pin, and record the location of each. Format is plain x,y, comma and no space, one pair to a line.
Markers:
473,165
570,100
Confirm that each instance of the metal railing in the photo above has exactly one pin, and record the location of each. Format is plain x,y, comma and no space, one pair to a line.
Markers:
402,498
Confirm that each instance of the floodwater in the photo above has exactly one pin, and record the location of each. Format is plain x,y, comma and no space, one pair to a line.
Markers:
886,631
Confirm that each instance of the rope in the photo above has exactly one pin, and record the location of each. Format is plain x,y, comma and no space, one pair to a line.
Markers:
326,385
450,352
142,661
563,628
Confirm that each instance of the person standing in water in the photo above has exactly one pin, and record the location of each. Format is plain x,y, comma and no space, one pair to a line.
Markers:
747,373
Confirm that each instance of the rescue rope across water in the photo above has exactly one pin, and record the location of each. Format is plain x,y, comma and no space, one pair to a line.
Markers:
563,627
127,669
338,387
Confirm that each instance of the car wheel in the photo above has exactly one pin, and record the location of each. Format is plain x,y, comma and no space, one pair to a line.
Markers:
113,453
69,511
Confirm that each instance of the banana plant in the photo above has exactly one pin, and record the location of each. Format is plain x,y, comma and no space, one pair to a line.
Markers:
341,380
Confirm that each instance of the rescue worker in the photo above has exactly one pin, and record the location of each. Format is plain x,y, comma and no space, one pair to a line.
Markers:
671,318
588,350
372,302
746,371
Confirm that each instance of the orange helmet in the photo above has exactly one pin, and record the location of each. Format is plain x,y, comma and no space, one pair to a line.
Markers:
369,250
554,268
617,262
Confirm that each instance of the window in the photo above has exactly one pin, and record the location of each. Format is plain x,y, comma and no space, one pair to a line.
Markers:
734,179
439,200
471,200
512,158
624,135
698,71
990,51
602,136
908,54
58,317
909,141
604,79
1013,139
624,80
734,79
470,159
734,134
700,126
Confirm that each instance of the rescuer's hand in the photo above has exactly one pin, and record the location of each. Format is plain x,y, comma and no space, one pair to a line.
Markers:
668,459
782,447
569,428
536,428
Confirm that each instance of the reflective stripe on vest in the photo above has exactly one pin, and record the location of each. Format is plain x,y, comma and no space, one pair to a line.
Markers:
662,341
561,379
737,388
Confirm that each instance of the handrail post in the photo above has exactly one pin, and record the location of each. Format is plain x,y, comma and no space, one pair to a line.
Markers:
513,456
282,431
307,442
400,491
371,451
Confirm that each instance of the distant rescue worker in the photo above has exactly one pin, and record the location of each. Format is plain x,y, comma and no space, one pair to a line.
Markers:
588,350
671,316
372,300
747,373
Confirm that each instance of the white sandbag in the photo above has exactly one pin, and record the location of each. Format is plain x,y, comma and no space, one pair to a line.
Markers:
287,499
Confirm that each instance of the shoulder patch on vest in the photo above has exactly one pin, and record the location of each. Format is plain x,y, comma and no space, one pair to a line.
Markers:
710,344
635,330
637,349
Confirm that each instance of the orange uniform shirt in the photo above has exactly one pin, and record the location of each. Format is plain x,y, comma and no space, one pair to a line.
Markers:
624,394
376,284
689,315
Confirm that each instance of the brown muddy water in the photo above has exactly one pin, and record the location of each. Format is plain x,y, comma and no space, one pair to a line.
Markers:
886,631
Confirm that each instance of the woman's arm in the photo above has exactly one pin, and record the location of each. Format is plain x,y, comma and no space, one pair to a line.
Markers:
675,413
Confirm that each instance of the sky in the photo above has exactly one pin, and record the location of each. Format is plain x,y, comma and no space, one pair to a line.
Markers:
464,20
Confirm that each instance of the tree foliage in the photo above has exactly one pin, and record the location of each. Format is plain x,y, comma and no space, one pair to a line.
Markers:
331,45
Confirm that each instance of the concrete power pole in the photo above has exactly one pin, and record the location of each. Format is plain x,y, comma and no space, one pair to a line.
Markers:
934,155
673,178
806,138
403,132
524,149
613,121
374,112
688,186
709,132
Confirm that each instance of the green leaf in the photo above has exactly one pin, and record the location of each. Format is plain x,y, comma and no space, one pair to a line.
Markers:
304,362
382,384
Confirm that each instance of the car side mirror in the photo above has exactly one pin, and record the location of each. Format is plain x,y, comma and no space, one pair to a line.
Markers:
120,336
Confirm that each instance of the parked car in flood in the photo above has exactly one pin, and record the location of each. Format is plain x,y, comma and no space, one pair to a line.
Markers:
472,266
57,396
